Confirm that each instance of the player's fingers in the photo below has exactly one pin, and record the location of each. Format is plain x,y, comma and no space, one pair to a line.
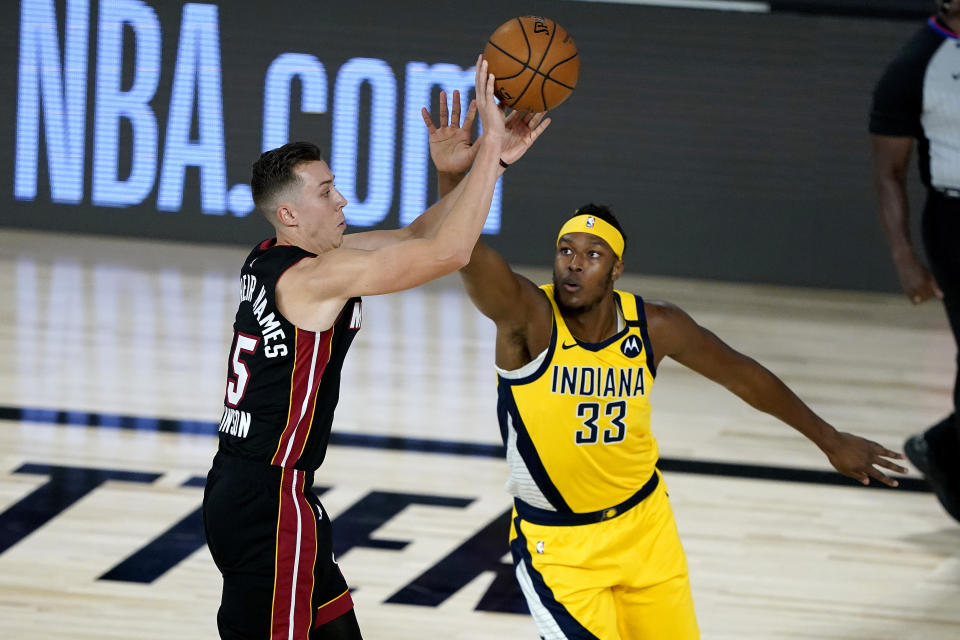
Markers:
427,120
535,119
531,137
483,94
471,114
444,113
887,453
455,112
886,464
878,475
478,80
862,478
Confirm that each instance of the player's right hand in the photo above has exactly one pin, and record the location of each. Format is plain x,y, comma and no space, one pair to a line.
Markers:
917,281
490,111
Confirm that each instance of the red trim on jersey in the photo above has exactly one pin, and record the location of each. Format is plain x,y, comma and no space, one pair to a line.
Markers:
324,350
333,609
312,355
296,555
266,244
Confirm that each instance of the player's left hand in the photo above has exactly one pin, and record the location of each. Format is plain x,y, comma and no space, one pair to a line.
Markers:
450,147
859,458
523,129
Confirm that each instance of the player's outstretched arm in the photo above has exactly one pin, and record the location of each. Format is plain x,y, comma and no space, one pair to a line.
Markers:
675,334
342,273
453,154
453,140
507,298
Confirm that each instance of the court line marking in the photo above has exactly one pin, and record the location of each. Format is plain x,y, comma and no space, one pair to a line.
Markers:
447,447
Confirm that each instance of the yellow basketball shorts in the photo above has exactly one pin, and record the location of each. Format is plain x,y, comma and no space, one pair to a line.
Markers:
623,578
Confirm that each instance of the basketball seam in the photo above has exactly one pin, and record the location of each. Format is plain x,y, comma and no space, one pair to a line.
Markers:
547,76
536,70
515,59
526,41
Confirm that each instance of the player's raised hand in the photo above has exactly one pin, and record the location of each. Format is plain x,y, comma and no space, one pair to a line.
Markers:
490,112
523,129
450,147
859,458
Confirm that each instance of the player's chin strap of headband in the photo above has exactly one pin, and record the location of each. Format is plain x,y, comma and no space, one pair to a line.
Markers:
591,224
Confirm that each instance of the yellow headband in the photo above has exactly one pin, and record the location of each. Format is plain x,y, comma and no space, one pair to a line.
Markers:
594,225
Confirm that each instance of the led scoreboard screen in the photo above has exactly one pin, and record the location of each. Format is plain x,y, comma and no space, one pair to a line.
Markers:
146,114
704,129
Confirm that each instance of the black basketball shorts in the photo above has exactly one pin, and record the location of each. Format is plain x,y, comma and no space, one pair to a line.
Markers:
271,539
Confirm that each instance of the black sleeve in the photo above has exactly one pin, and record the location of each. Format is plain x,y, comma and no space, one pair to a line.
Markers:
898,96
897,101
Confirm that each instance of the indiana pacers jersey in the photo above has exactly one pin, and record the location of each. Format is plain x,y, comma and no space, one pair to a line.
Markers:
576,420
283,382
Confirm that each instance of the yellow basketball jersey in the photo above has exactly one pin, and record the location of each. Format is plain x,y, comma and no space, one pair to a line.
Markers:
576,420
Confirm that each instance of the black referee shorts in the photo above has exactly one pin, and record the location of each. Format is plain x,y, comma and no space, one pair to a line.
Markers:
271,540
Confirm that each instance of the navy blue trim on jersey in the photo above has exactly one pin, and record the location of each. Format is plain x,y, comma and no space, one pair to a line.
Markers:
571,628
506,406
548,357
941,28
536,515
642,319
597,346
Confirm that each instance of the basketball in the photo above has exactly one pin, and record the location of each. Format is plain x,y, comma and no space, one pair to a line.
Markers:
535,63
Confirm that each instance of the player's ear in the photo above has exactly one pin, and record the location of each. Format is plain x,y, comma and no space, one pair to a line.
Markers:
617,270
286,216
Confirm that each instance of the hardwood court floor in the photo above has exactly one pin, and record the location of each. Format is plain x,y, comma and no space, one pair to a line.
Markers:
112,357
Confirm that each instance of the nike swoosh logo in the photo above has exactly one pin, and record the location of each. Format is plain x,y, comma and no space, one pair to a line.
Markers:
568,346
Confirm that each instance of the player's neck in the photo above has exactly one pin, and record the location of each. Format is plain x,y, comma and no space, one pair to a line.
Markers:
595,324
952,21
285,236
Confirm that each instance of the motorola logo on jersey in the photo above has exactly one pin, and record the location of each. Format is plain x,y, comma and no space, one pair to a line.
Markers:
631,347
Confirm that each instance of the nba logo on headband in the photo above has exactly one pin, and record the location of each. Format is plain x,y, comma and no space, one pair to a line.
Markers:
590,222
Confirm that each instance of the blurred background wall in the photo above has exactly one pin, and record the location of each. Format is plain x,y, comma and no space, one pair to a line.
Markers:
730,137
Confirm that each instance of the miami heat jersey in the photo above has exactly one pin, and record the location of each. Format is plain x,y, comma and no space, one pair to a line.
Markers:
283,382
576,420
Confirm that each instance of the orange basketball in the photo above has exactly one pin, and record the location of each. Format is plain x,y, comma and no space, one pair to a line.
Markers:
535,62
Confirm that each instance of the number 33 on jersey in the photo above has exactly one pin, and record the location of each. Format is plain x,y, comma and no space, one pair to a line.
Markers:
576,420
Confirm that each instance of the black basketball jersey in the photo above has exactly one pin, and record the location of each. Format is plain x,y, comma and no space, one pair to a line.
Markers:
283,382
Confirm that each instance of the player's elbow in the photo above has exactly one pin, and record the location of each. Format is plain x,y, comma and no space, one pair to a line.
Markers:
453,258
461,257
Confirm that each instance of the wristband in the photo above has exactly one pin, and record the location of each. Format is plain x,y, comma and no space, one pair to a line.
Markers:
503,164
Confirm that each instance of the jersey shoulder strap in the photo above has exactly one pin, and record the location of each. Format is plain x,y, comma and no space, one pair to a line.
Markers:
635,316
559,326
272,258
